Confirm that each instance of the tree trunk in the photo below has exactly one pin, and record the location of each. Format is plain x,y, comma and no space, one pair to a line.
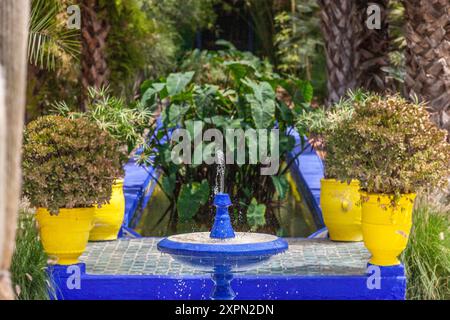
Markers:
94,31
14,16
428,56
373,48
340,33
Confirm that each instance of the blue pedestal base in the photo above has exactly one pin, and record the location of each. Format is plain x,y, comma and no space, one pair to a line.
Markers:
222,277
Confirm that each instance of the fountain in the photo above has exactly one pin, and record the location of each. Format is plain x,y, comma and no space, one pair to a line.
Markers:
222,251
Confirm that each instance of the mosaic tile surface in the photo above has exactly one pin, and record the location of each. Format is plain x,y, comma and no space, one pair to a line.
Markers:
304,257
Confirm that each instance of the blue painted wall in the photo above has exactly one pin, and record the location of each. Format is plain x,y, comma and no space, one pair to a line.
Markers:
307,171
392,284
138,187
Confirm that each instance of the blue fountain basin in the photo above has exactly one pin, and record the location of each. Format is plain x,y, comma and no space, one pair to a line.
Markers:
202,252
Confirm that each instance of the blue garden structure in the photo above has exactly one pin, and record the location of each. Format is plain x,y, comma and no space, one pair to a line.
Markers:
312,268
223,251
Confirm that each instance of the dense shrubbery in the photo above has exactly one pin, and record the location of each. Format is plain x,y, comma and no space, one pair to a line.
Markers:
299,44
147,37
213,67
69,163
390,145
244,97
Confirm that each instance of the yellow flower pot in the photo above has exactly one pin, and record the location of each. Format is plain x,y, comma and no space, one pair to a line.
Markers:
385,227
109,218
341,209
66,235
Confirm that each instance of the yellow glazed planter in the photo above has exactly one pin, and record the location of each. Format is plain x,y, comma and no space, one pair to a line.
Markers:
66,235
385,227
109,218
341,209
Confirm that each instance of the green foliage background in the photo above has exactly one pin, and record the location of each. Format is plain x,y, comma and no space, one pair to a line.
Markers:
240,92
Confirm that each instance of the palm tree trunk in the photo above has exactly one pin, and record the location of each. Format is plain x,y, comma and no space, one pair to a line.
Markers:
427,55
340,33
373,48
14,15
94,32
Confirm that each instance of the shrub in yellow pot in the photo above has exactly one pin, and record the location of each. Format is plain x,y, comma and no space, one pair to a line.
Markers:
395,151
126,124
68,169
339,200
109,217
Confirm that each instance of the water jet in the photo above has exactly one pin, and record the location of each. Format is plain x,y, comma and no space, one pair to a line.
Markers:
222,251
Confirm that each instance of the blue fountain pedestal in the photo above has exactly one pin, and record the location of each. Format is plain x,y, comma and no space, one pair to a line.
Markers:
222,228
222,251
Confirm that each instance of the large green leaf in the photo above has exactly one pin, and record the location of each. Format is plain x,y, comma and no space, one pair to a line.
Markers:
262,103
149,98
177,82
146,85
156,86
168,184
262,90
306,90
240,69
301,91
286,113
262,112
224,122
204,98
172,115
256,214
189,125
192,197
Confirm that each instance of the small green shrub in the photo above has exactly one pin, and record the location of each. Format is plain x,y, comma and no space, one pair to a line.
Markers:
69,163
125,123
391,146
427,257
28,269
318,123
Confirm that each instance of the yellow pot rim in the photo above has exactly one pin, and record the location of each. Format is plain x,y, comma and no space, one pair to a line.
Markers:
353,182
66,209
374,194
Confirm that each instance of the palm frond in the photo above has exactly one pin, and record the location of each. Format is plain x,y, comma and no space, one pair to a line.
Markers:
49,39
